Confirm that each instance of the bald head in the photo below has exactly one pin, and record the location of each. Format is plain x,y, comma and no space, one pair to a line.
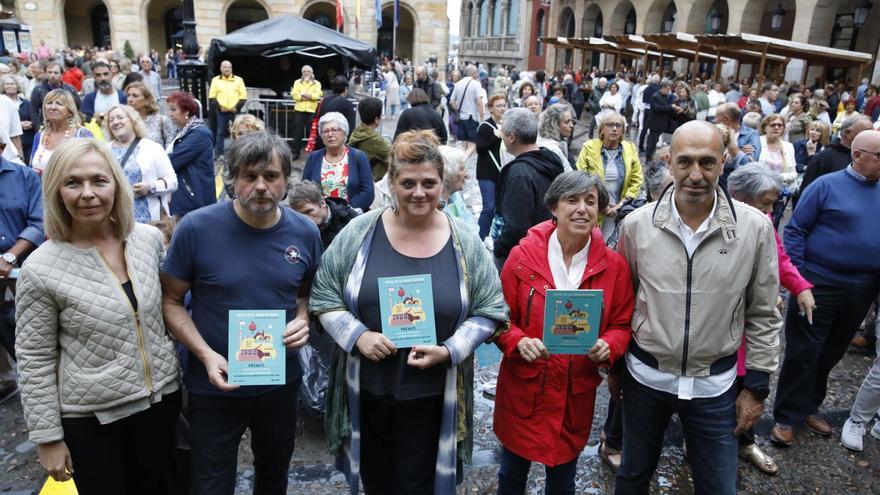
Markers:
697,132
696,160
866,154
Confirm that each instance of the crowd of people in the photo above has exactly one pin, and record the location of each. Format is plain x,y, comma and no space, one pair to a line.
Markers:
133,234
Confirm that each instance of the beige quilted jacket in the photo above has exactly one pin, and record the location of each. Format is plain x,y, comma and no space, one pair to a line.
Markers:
81,347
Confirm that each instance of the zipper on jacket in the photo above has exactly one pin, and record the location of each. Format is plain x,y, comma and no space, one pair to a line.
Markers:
137,321
687,315
529,306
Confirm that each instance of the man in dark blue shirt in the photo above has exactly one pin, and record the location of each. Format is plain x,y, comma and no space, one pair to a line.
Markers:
833,240
248,254
21,231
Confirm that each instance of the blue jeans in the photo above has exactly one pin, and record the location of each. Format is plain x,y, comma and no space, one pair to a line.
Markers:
487,191
514,473
708,426
223,121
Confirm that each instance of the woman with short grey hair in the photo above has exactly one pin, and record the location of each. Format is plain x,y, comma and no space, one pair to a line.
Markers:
759,186
551,426
342,171
554,129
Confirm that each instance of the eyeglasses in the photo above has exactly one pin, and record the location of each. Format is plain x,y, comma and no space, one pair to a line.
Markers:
614,125
777,124
875,153
333,130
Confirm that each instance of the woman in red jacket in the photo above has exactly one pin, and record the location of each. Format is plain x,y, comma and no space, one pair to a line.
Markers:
544,404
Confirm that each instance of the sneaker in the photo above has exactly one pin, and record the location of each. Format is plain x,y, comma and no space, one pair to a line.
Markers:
852,435
875,431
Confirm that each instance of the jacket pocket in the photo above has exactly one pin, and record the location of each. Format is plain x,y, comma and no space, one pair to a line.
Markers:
519,384
737,319
94,386
640,314
579,406
529,306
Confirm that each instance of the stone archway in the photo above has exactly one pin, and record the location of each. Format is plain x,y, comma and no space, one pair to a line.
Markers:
708,16
323,13
565,29
88,23
241,13
403,44
619,16
661,15
755,23
163,24
592,26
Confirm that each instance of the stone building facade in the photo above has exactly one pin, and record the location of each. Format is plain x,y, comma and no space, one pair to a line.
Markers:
820,22
423,31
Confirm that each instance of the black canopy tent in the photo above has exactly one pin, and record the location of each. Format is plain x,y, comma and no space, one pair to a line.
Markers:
270,54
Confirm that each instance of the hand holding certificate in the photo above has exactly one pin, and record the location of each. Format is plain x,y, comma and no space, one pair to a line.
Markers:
257,353
406,305
571,323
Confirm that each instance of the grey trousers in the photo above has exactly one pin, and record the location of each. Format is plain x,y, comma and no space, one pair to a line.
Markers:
867,402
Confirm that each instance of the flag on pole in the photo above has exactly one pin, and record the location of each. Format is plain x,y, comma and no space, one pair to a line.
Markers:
340,19
378,14
357,13
396,13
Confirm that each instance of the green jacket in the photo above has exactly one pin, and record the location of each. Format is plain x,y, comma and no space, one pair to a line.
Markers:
374,146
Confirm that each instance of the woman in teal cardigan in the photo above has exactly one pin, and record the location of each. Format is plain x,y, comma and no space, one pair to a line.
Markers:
344,277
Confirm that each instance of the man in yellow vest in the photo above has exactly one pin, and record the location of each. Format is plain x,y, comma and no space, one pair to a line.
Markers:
306,93
227,95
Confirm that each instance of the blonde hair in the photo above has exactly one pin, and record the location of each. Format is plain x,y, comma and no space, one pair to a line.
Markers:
413,148
69,103
150,102
768,120
247,120
57,221
823,128
137,123
612,117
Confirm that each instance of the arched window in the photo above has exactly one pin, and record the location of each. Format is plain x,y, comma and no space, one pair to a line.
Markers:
484,18
469,18
629,26
513,17
539,22
668,23
497,17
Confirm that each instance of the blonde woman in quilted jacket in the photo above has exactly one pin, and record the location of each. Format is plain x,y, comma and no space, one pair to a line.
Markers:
98,373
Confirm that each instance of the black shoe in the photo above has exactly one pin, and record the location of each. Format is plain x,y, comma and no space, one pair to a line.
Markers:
8,393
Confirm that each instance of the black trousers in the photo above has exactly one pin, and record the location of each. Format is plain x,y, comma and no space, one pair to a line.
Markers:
7,327
643,132
302,123
614,425
399,442
216,425
131,456
811,351
651,146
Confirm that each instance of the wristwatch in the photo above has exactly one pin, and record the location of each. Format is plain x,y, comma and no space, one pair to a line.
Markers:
9,257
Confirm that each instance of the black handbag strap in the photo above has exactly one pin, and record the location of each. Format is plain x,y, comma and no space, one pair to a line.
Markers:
129,151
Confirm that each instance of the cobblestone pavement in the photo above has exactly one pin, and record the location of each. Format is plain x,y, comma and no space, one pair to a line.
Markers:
815,465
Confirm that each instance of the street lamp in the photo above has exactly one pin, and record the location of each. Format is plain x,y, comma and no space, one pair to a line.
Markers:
193,72
860,13
776,18
714,22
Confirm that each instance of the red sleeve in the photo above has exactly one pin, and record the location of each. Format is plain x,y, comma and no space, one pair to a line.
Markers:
789,276
619,309
509,284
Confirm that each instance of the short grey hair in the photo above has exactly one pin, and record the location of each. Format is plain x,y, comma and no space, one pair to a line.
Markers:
453,162
851,121
657,177
305,192
574,183
9,77
666,83
748,182
550,119
522,123
256,150
471,71
332,117
753,120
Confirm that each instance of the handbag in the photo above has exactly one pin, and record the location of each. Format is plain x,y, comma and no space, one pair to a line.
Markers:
313,131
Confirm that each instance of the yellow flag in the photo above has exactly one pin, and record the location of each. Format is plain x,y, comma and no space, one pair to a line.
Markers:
357,13
52,487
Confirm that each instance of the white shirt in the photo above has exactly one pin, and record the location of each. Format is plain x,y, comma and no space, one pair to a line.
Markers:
465,95
566,278
684,387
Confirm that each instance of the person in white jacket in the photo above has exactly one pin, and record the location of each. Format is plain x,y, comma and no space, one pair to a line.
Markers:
716,97
145,163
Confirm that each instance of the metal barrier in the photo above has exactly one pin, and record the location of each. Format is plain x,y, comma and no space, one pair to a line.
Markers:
277,114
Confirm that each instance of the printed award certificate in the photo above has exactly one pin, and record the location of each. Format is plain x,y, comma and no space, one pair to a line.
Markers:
407,307
256,351
571,320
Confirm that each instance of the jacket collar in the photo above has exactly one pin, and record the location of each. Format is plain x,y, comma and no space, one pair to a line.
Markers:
534,251
723,218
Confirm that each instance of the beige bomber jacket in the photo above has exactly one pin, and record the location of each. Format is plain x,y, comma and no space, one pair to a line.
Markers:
81,347
690,313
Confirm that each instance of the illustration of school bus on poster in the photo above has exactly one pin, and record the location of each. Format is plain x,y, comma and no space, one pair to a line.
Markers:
407,309
571,320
